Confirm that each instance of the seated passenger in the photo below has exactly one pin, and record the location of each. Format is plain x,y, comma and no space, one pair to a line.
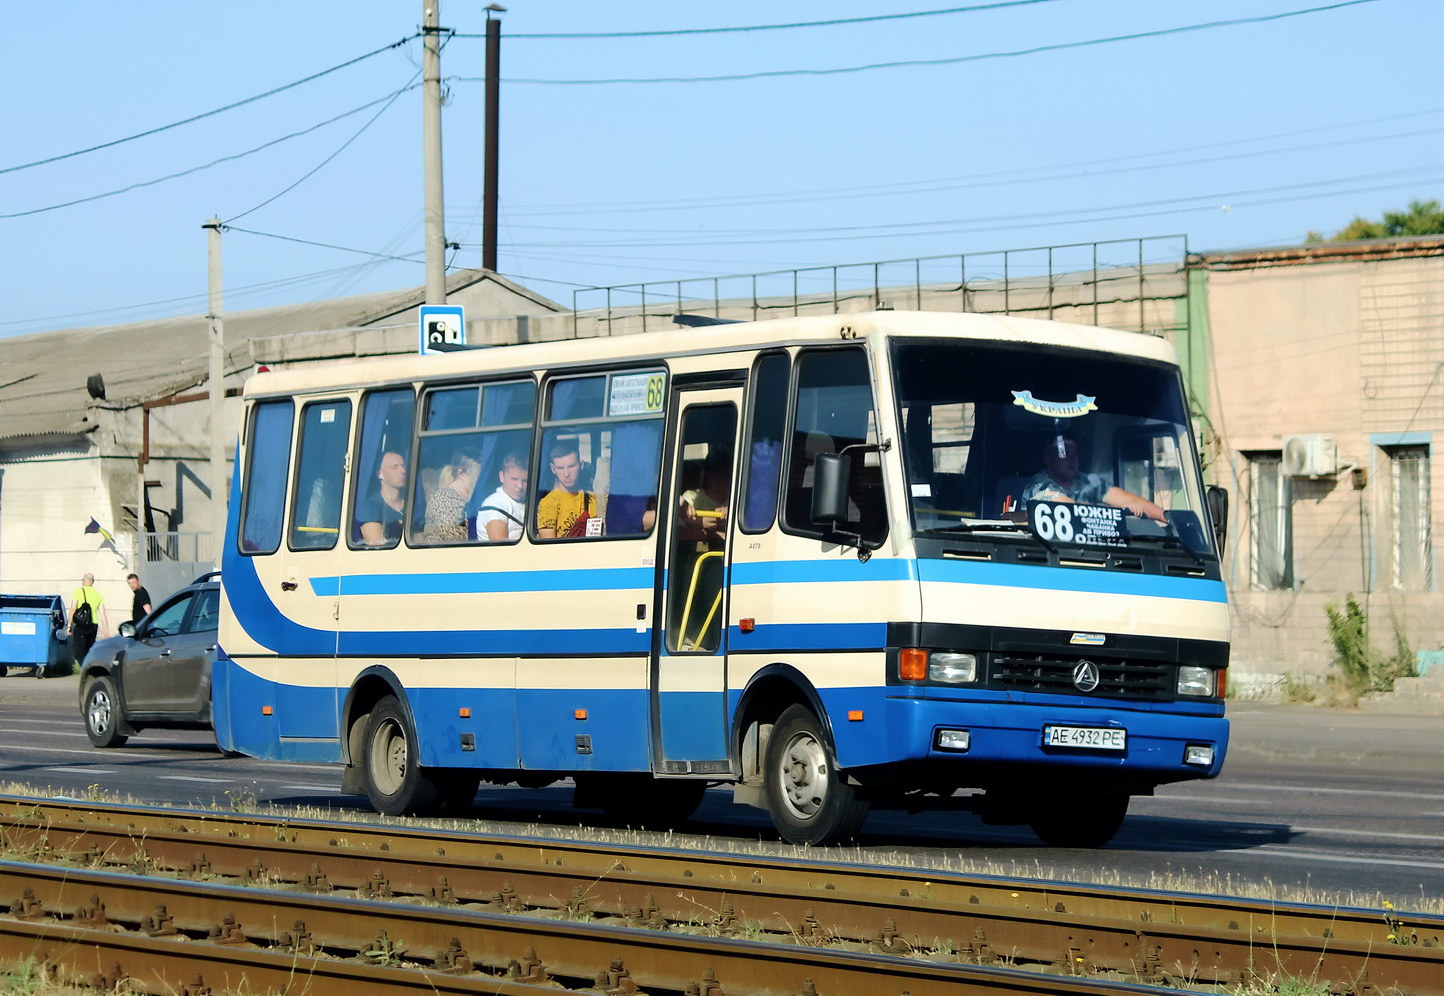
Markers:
501,516
379,514
446,508
567,508
1060,481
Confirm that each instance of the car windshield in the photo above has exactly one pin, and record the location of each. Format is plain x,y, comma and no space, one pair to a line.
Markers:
999,437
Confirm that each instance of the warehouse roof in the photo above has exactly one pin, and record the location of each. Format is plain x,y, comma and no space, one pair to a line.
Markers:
43,392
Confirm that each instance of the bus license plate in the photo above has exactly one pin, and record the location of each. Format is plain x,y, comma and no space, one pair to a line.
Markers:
1089,737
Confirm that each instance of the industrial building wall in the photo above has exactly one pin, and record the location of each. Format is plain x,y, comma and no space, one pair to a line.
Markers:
1351,351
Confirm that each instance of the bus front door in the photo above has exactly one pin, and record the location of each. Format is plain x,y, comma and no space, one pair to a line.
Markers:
689,675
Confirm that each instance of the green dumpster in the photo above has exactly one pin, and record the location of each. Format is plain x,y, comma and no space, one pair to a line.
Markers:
32,634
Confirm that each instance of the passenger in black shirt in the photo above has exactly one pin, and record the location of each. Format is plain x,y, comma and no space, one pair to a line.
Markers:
140,604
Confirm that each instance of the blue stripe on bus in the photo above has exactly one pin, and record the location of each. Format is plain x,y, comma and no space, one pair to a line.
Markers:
1072,579
808,636
486,582
846,568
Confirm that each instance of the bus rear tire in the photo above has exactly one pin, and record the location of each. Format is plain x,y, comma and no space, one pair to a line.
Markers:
1079,820
808,800
395,783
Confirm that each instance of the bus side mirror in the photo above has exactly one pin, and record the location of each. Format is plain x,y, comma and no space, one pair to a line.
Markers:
830,473
1217,499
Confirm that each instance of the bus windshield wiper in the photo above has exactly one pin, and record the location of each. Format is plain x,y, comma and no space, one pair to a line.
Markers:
1170,538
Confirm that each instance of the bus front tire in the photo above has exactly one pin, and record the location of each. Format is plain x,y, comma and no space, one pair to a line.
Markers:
395,783
808,800
102,714
1089,820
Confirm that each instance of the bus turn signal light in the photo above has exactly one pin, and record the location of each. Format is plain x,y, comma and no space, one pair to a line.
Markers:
464,712
266,710
912,664
579,714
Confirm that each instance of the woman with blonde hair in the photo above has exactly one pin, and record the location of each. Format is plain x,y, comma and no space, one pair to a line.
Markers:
446,508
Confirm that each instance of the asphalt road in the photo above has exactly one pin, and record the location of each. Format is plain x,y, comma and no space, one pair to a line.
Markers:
1313,803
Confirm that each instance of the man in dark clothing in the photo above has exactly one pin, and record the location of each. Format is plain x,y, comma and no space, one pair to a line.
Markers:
140,603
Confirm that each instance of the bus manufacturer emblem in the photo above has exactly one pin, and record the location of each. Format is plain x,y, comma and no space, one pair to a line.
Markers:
1085,676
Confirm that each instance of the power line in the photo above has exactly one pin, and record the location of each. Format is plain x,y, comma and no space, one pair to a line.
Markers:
768,27
344,145
214,162
208,114
938,184
226,226
953,60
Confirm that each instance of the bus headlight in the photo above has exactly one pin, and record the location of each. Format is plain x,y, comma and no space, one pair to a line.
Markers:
952,669
1195,680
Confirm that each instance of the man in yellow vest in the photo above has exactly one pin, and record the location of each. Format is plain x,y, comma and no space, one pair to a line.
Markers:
87,618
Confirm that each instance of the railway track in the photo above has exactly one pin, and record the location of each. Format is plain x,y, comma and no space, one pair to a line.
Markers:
522,910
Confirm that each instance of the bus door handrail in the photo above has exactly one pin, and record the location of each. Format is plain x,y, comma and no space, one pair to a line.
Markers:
684,643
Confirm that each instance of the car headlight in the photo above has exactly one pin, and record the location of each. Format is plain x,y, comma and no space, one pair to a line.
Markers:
952,669
1195,680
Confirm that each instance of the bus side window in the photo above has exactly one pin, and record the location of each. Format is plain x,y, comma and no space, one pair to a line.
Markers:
601,455
466,435
763,457
320,475
378,489
265,490
834,409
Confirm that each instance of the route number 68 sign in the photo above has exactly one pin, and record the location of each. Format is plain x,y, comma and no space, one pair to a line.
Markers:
1075,522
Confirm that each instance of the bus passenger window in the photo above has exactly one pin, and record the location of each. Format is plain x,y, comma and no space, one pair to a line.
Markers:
265,490
379,488
768,392
320,475
469,438
834,410
601,455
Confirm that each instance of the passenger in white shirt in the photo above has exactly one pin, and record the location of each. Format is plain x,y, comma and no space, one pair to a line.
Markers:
501,516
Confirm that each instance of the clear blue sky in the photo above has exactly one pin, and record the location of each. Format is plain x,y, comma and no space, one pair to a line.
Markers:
1236,135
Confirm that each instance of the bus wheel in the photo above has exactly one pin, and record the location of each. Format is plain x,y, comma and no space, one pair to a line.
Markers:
808,800
394,781
1079,820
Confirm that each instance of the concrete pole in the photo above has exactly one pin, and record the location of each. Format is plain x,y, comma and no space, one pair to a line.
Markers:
435,209
219,492
493,131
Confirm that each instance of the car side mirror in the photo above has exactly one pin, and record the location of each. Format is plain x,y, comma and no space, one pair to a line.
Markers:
830,474
1217,499
127,628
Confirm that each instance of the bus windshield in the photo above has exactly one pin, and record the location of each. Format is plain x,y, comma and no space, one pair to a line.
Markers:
1076,446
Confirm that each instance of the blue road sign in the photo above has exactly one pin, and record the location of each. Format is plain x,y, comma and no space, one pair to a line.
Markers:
442,328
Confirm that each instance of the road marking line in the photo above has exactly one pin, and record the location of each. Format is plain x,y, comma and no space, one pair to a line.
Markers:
83,768
311,788
192,778
1314,790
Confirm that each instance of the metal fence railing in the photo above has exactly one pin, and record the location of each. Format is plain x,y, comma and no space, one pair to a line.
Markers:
1127,283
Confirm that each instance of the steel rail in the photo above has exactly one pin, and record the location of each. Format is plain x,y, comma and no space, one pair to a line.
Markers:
239,938
1151,935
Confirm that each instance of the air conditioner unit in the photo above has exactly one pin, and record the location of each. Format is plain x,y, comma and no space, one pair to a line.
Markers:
1311,455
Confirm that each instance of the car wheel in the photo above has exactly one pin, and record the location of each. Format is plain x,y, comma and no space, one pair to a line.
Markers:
102,714
808,800
395,783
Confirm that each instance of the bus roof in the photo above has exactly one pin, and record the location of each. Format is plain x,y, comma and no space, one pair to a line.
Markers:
684,341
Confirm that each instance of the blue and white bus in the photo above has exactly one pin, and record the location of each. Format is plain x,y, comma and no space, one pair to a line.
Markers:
889,560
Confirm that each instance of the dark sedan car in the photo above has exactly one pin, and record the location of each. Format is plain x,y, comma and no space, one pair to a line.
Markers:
157,672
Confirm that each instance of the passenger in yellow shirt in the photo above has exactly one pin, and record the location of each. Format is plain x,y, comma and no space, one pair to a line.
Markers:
566,507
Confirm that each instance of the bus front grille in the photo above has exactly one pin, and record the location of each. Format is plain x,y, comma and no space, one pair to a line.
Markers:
1125,679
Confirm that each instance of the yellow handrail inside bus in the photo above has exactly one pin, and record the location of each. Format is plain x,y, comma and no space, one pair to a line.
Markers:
684,643
317,529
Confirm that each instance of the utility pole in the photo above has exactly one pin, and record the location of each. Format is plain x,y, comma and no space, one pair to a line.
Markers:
493,131
219,492
435,210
